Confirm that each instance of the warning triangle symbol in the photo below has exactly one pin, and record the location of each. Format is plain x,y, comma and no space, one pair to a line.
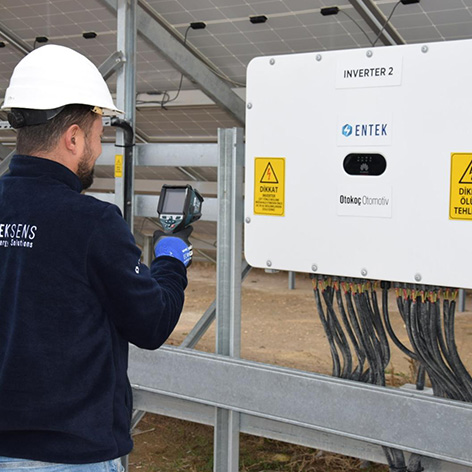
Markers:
269,177
467,176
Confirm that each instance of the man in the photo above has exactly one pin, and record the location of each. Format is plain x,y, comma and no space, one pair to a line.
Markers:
73,292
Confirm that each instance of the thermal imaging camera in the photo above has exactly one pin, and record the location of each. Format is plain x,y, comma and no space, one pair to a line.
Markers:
178,207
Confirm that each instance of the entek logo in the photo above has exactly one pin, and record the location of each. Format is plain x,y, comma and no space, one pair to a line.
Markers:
347,130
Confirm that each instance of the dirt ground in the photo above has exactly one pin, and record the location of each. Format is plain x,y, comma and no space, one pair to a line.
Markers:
279,326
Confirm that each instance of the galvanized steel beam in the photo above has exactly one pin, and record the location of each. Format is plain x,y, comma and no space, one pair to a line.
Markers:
407,420
200,413
165,154
228,288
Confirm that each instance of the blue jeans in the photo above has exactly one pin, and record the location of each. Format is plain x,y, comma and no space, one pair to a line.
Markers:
17,465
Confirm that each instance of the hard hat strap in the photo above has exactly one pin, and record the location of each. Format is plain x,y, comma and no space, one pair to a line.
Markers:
20,117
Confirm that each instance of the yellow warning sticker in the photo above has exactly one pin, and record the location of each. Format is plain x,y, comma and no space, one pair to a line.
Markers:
119,165
460,202
269,186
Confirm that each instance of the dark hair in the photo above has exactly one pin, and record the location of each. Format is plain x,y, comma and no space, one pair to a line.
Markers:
44,137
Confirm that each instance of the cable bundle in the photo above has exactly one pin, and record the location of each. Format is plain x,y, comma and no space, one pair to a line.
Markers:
431,335
356,329
359,317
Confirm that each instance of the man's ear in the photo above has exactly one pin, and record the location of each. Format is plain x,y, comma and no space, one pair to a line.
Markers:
72,138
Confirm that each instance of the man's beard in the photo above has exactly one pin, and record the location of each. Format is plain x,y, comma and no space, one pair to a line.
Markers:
84,171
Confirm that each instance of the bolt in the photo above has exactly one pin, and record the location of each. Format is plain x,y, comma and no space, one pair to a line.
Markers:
369,53
272,62
249,106
424,49
248,220
319,57
364,272
418,277
314,267
269,263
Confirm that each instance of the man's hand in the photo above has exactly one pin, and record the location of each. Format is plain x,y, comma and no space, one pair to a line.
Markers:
174,245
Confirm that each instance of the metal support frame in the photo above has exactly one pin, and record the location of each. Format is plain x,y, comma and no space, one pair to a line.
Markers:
184,61
126,100
112,64
299,407
304,408
377,21
228,291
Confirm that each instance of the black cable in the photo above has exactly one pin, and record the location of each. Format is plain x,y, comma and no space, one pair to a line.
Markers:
372,345
420,377
385,348
386,22
442,358
336,371
441,377
167,100
389,328
339,336
366,376
414,464
360,354
449,315
358,25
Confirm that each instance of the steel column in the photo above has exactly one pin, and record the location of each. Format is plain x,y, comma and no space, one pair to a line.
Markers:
228,290
126,100
462,298
291,280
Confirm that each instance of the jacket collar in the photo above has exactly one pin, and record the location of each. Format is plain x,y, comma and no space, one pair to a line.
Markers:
31,166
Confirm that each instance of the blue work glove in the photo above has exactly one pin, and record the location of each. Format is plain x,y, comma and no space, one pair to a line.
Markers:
174,245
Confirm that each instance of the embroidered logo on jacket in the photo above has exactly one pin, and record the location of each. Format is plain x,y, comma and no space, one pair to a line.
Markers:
17,235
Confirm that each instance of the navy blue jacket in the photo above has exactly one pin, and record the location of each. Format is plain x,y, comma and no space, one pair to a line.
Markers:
73,293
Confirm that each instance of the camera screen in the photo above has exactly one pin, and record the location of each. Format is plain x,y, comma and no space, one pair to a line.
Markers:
174,201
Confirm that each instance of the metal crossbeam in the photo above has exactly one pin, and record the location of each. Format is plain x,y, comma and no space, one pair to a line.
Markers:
187,410
406,420
112,64
167,154
15,40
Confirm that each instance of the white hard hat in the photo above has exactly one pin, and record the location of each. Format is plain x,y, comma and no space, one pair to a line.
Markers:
53,76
